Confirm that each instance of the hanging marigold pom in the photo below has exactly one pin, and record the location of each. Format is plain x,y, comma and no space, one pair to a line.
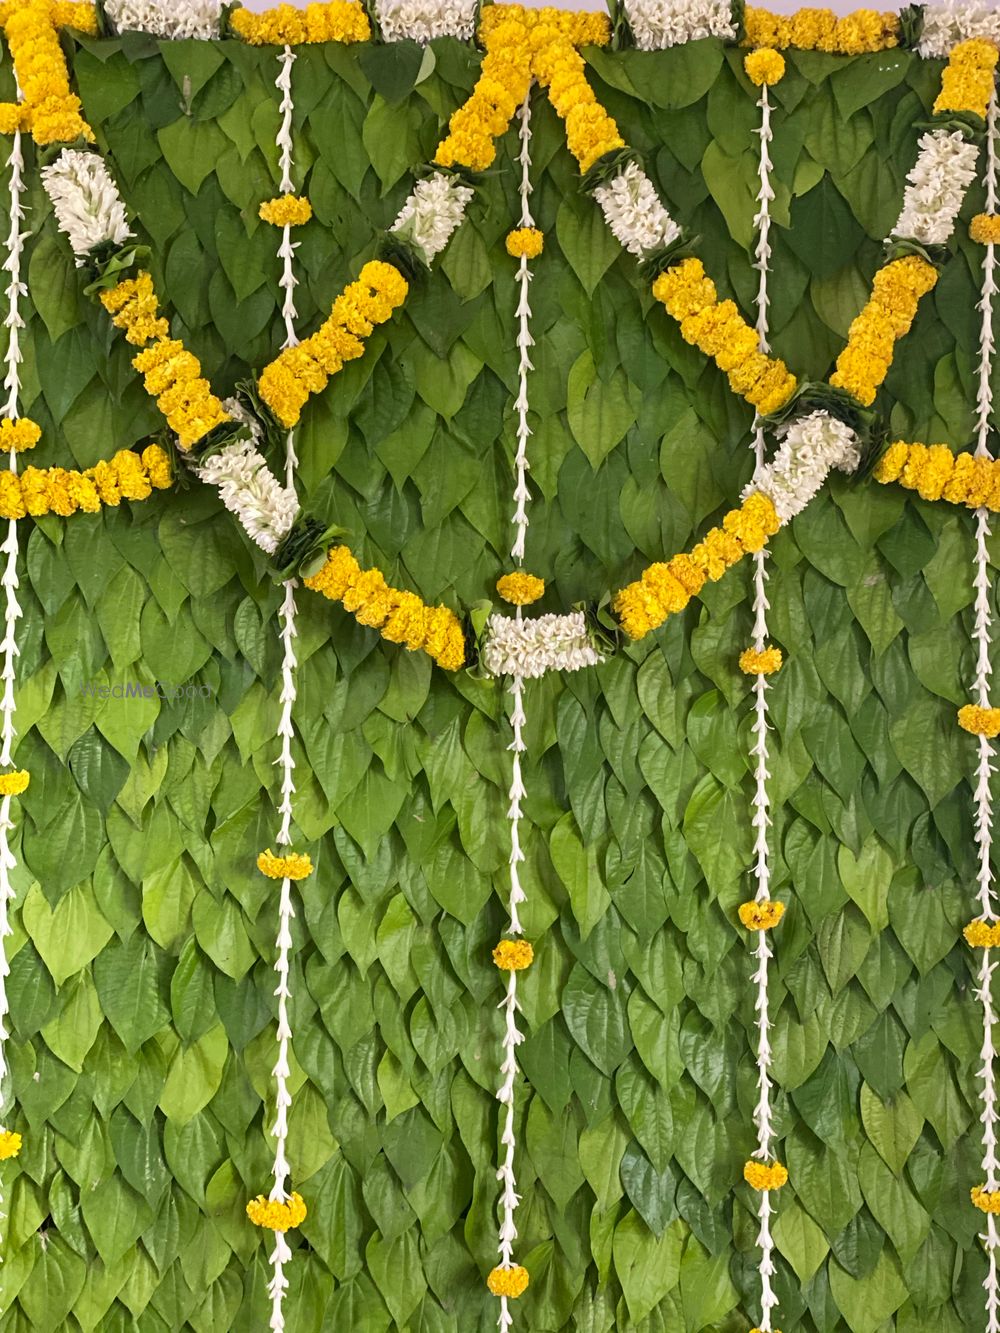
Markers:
985,228
277,1216
982,934
513,955
18,435
520,589
761,916
764,66
511,1282
761,1177
987,1201
10,1144
763,663
297,865
980,721
289,210
527,241
13,784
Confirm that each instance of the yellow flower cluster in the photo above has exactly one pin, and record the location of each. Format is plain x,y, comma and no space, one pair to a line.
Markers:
667,588
14,116
938,474
987,1201
13,784
10,1144
400,617
980,721
504,80
521,589
821,30
296,865
560,69
761,916
896,292
765,66
982,935
720,331
527,241
298,372
56,490
277,1216
52,109
967,81
761,1177
513,955
582,29
18,435
134,307
74,14
985,228
288,210
338,21
763,663
510,1282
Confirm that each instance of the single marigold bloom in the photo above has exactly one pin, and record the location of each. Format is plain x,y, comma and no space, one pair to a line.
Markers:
520,589
764,67
13,784
296,865
510,1282
760,1176
513,955
275,1215
288,210
762,915
527,241
10,1144
19,435
982,934
980,721
760,663
987,1201
985,228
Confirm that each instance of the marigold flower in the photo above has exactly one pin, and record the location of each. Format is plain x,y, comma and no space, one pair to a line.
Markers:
295,865
513,955
510,1282
980,721
760,1176
10,1144
18,435
274,1215
764,66
967,80
341,21
528,241
520,589
985,228
982,934
760,663
896,291
987,1201
761,915
13,784
288,210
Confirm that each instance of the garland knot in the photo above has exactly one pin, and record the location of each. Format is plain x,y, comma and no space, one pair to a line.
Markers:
511,1282
985,228
297,865
765,66
274,1215
10,1144
759,1176
513,955
761,662
987,1201
762,915
13,784
289,210
527,241
521,589
982,934
980,721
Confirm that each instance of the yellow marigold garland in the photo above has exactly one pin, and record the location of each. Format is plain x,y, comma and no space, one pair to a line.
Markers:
135,309
760,1176
982,934
820,30
763,663
764,66
509,1282
276,1216
298,372
527,241
57,490
296,865
338,21
18,435
288,210
520,589
987,1201
761,916
10,1144
560,69
967,80
720,331
896,291
985,229
503,83
400,617
77,15
52,110
13,784
513,955
938,474
666,588
980,721
586,28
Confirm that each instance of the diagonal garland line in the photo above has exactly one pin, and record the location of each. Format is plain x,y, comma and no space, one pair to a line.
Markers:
759,751
985,768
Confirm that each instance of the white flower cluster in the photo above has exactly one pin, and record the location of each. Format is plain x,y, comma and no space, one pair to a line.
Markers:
432,213
248,489
529,648
423,20
809,449
86,201
948,22
938,183
166,18
657,24
633,211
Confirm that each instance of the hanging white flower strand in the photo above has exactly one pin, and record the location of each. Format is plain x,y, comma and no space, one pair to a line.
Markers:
984,932
286,251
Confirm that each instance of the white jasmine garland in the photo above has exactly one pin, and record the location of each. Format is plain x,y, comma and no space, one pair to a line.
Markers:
529,648
657,24
247,488
167,18
810,448
938,184
86,201
423,20
432,213
633,211
948,22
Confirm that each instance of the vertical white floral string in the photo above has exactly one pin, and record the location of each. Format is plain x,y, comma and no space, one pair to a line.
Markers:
286,251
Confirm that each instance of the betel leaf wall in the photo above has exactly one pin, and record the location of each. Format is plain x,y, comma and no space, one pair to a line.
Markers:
141,984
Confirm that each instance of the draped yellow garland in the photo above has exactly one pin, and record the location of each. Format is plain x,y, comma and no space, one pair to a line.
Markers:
56,490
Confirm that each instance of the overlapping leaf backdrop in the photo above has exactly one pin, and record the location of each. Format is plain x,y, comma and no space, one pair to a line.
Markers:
142,984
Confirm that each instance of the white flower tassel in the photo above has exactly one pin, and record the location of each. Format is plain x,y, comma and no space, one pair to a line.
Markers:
247,487
810,449
658,24
167,18
423,20
633,211
286,250
433,213
948,22
938,184
86,202
525,342
985,768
